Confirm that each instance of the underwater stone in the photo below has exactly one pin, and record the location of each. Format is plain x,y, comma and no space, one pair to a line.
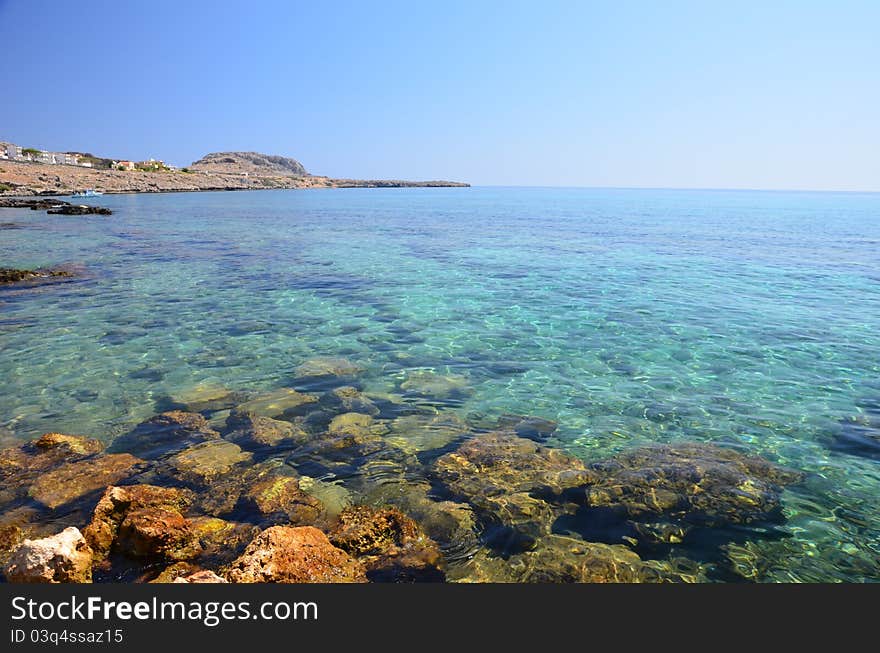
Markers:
687,484
78,479
421,432
75,444
392,547
282,496
285,554
500,474
328,366
253,431
859,435
347,399
429,384
203,463
560,559
533,428
166,433
156,532
284,402
62,558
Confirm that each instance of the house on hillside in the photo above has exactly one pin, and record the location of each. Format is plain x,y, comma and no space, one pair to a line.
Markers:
124,165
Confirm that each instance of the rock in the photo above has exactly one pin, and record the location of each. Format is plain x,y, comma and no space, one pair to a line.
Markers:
670,488
419,432
222,541
207,398
859,435
166,433
284,402
79,209
62,558
333,496
355,423
328,366
142,521
10,275
77,480
75,444
392,547
284,554
347,399
533,428
255,432
204,576
559,559
202,464
281,496
507,480
430,384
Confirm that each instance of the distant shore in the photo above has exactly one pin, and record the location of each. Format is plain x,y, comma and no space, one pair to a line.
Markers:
28,178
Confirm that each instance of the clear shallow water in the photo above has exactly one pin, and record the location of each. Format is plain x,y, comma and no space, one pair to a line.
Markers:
749,319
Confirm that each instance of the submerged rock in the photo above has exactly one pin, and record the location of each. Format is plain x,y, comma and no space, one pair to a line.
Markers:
533,428
79,209
328,366
202,464
559,559
75,444
347,399
284,554
62,558
166,433
78,479
505,478
256,432
391,546
423,432
859,435
430,384
281,496
663,490
143,521
281,403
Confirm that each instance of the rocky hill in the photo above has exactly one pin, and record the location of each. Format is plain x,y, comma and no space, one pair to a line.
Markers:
250,163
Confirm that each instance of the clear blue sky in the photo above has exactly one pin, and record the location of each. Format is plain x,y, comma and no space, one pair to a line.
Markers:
675,94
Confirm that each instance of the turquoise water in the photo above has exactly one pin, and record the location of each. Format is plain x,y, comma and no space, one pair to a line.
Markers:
749,319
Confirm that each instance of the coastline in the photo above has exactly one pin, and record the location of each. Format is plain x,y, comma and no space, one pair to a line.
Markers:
37,179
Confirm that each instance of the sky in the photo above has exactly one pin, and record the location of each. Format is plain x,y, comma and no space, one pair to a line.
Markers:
777,95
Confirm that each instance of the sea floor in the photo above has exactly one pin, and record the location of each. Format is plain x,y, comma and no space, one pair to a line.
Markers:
532,384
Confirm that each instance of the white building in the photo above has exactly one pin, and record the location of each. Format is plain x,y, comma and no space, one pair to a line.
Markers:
13,151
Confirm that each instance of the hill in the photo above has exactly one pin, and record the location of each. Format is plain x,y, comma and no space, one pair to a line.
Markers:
250,163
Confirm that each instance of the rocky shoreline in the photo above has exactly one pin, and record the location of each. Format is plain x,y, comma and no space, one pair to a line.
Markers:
28,178
323,482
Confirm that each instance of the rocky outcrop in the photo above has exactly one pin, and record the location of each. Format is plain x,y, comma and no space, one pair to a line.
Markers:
79,209
284,554
53,206
32,277
62,558
251,163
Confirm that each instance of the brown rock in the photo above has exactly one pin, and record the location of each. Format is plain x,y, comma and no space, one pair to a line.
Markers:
278,403
204,576
390,544
255,432
78,479
149,507
284,554
202,464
